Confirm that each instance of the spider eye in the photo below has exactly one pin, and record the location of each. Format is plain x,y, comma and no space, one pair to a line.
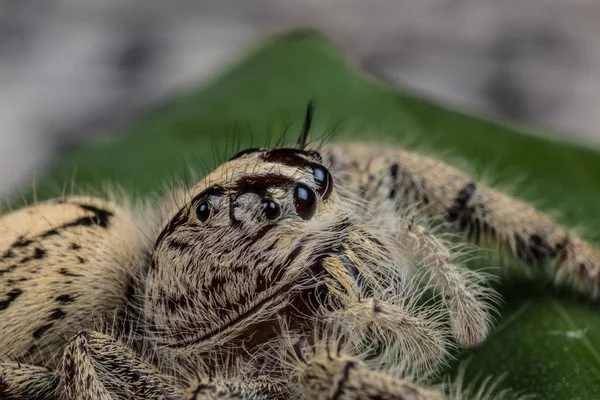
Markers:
270,209
324,181
305,200
315,154
203,211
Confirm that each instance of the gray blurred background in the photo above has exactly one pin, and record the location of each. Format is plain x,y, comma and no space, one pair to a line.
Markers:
71,68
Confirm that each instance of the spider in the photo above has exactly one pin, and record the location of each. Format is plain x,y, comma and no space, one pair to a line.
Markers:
287,272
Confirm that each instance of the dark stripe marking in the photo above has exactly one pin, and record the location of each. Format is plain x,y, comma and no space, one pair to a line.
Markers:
7,270
51,232
21,242
13,281
56,314
461,201
536,249
10,297
177,220
39,253
540,248
66,272
65,299
260,183
463,214
394,168
41,330
101,218
290,157
340,389
8,254
354,273
174,244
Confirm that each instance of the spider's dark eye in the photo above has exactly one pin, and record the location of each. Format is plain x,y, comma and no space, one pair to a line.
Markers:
305,200
270,209
203,211
323,178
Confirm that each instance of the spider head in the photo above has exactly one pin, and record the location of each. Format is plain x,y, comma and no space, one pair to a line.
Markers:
247,248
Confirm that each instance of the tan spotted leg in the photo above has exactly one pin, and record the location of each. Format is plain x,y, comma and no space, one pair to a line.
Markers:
461,289
418,338
398,178
220,389
466,298
338,377
21,381
364,318
95,366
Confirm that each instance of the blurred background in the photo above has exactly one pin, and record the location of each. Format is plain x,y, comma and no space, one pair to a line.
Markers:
74,69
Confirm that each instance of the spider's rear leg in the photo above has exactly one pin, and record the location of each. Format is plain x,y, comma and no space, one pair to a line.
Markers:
397,178
331,376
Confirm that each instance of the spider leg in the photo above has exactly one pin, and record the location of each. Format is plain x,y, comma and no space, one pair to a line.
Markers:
392,177
210,389
22,381
97,367
339,377
461,289
418,338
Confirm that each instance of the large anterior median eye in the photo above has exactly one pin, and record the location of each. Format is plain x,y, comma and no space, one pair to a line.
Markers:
324,181
305,200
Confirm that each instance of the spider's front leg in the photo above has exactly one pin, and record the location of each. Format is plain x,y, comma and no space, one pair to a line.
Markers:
394,179
334,376
416,337
462,291
222,389
97,367
20,381
466,298
368,315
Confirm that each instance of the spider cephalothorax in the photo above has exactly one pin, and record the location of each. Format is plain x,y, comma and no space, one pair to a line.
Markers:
266,236
254,233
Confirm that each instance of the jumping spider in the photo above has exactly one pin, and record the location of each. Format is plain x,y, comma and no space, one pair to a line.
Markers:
285,273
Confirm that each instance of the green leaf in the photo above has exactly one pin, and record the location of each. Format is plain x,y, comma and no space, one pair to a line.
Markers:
544,343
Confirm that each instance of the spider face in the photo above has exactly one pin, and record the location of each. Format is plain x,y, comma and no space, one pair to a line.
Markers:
248,248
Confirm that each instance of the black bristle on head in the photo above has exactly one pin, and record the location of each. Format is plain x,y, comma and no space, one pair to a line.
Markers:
301,144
